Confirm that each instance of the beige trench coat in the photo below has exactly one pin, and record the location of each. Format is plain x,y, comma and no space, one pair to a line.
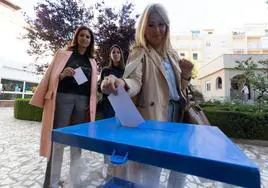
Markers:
145,77
45,97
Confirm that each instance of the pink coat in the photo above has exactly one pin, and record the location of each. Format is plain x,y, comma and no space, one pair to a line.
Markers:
45,97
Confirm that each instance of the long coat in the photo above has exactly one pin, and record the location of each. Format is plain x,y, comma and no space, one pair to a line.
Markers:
145,77
45,97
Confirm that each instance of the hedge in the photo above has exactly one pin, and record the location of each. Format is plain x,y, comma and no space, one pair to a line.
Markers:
235,107
23,110
243,125
231,119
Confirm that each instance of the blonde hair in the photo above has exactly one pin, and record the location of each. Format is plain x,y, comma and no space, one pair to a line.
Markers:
140,31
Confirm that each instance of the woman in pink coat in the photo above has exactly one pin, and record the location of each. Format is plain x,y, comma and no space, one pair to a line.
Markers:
66,102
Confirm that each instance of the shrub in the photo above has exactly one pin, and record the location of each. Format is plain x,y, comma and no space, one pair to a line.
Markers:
23,110
235,124
235,107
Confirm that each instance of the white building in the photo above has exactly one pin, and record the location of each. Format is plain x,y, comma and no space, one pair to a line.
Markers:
220,79
15,80
210,50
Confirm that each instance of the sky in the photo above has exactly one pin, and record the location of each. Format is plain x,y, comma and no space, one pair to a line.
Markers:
222,15
185,15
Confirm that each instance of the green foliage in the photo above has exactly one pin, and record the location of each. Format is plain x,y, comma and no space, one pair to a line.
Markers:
114,27
23,110
256,73
234,107
56,21
238,121
243,125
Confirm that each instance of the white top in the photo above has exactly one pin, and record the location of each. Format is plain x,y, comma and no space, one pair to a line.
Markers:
245,90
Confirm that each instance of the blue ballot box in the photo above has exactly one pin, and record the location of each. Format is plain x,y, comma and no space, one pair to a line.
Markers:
192,149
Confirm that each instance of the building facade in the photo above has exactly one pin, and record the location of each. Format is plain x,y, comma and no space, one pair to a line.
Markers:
212,52
16,80
220,80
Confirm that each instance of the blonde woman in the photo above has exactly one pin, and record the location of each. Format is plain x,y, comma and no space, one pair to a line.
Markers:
64,101
158,79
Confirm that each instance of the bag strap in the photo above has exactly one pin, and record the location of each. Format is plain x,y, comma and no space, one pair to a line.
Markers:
189,91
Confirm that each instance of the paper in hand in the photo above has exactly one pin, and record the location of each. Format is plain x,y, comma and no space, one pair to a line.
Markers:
79,76
125,109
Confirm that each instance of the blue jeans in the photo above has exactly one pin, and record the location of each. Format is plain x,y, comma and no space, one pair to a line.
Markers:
176,179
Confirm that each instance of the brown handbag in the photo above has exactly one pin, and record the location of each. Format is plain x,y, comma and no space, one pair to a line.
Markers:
193,113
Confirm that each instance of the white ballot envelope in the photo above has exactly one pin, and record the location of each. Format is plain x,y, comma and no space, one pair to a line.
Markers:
124,108
79,76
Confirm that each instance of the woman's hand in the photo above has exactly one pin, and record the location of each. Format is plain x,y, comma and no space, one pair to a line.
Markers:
68,71
186,68
110,83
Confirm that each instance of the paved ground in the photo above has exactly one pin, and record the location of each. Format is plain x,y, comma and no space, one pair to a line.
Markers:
21,166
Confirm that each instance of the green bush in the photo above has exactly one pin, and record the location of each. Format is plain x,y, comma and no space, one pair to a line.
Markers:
23,110
236,121
235,107
236,124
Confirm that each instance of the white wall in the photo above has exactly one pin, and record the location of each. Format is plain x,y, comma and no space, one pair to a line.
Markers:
214,93
12,73
223,66
211,67
13,48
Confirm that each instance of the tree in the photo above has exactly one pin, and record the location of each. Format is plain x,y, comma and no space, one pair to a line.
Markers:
56,21
114,27
256,74
54,25
195,71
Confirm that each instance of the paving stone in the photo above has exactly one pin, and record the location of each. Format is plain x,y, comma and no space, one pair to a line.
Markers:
207,184
28,183
7,181
36,185
192,185
163,178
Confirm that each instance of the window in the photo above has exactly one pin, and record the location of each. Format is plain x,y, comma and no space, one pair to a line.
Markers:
208,44
266,32
12,89
30,87
182,55
195,33
195,56
219,83
208,86
12,85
